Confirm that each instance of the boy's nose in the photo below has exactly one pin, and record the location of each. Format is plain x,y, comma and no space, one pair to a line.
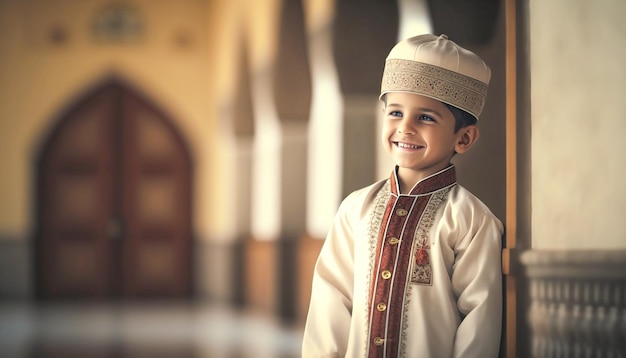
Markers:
405,128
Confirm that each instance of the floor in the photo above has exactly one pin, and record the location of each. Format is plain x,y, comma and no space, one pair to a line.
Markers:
154,330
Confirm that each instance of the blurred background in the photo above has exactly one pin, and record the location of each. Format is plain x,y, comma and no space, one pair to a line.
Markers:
170,168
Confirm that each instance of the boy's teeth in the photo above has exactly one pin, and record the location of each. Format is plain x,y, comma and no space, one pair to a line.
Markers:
408,146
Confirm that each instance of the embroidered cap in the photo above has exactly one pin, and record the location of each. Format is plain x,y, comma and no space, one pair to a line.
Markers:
436,67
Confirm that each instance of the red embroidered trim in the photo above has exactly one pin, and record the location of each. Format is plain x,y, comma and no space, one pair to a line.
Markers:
386,324
395,264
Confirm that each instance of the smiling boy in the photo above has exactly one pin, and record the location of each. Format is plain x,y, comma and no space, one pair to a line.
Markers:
411,265
421,136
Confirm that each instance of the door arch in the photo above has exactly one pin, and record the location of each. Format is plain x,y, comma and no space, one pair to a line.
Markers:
113,201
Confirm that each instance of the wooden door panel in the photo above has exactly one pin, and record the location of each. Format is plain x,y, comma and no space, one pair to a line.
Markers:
76,190
156,204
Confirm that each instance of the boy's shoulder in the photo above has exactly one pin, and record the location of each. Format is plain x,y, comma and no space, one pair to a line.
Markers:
374,187
462,196
369,190
364,195
465,203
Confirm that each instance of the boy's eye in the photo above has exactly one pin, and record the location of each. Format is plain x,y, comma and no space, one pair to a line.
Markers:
395,114
427,118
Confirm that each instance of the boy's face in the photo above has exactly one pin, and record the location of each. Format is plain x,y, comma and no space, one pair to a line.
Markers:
418,133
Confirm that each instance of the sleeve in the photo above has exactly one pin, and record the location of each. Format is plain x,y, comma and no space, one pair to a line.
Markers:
477,283
328,321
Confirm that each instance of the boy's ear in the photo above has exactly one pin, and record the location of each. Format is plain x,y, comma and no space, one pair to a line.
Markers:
465,138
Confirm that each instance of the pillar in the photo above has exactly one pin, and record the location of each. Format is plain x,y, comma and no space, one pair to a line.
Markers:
363,34
324,157
282,97
221,260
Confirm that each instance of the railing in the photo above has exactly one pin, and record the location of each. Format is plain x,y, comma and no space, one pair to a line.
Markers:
577,303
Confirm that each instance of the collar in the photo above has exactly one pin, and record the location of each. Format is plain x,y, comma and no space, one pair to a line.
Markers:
437,181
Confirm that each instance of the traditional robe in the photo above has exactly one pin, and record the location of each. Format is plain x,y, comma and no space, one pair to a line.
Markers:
415,275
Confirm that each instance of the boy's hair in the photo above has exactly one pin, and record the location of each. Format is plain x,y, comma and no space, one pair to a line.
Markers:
462,118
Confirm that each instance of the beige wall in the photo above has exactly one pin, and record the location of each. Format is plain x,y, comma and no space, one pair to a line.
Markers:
578,84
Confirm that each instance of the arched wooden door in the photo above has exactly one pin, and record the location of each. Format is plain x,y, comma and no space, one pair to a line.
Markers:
114,202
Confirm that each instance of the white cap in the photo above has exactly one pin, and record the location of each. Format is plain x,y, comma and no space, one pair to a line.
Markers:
436,67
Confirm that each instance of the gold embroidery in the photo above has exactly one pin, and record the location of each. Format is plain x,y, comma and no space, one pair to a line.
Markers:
380,204
421,272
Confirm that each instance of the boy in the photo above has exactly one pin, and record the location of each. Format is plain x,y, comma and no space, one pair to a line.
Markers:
411,265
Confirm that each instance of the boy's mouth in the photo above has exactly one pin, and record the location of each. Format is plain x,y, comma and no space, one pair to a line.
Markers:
407,145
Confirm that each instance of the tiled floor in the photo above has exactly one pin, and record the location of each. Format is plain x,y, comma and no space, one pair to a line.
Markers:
154,330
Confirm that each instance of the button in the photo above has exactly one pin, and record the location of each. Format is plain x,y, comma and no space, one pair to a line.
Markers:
386,274
379,341
381,307
394,241
402,212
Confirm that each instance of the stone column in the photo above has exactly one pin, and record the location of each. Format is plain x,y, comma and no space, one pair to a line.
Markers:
221,259
282,101
242,175
363,34
324,157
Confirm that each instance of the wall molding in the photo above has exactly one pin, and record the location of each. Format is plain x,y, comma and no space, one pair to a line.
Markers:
577,302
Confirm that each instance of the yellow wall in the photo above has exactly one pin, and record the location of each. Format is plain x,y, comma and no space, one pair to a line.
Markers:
38,79
578,82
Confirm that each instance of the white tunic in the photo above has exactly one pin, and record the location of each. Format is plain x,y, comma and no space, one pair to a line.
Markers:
414,275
